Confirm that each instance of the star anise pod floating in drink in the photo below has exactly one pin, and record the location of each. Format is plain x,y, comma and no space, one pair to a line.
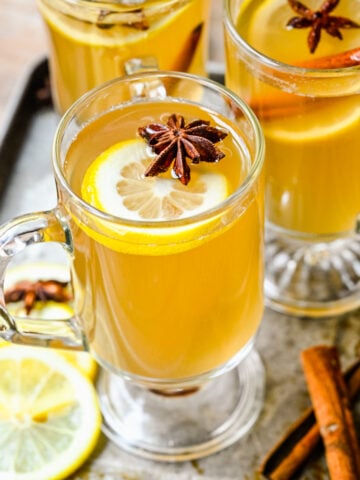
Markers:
318,20
175,141
41,290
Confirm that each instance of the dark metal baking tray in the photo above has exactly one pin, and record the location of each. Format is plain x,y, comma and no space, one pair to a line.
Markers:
27,185
26,181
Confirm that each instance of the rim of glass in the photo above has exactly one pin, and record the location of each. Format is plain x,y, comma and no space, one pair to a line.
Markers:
120,3
254,170
276,64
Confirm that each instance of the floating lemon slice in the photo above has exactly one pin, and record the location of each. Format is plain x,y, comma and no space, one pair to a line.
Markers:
49,415
267,32
83,361
309,119
115,184
325,123
87,30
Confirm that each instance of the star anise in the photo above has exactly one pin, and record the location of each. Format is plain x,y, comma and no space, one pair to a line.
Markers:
41,290
318,20
176,141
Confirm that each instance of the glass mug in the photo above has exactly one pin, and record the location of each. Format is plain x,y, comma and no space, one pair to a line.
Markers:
169,309
309,109
90,41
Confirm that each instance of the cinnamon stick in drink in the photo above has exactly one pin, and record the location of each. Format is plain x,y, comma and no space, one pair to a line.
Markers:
285,104
331,404
349,58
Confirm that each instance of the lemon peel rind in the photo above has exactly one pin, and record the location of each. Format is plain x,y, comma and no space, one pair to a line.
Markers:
144,242
346,124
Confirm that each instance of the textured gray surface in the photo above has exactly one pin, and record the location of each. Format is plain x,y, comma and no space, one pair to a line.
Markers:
279,342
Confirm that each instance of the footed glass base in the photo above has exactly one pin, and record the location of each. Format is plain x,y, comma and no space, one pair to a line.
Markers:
309,276
183,424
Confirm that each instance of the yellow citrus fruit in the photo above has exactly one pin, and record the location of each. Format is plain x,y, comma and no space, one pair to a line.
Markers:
308,119
49,309
115,184
49,415
325,123
120,34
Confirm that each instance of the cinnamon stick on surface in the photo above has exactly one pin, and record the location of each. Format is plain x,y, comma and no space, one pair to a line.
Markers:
331,403
303,437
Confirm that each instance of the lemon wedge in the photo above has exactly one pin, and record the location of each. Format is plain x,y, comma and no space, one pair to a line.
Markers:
49,415
83,361
115,184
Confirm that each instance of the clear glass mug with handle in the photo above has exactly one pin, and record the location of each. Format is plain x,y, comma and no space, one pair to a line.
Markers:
90,41
167,277
306,94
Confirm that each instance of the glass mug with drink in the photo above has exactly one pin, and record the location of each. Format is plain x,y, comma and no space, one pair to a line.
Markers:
298,65
90,41
160,206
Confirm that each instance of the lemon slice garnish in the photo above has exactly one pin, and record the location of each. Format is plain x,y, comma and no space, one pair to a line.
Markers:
115,184
266,31
86,32
327,123
49,415
83,361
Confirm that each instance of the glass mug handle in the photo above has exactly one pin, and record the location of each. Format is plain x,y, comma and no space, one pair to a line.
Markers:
151,89
15,236
49,226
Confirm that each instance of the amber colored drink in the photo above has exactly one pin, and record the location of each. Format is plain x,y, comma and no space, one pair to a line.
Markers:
91,41
164,299
311,120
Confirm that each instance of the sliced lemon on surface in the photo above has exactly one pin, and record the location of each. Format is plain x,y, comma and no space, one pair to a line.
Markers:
49,415
115,184
48,309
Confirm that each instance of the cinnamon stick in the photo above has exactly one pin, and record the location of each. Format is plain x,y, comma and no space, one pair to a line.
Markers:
349,58
331,403
279,105
303,437
284,104
183,62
